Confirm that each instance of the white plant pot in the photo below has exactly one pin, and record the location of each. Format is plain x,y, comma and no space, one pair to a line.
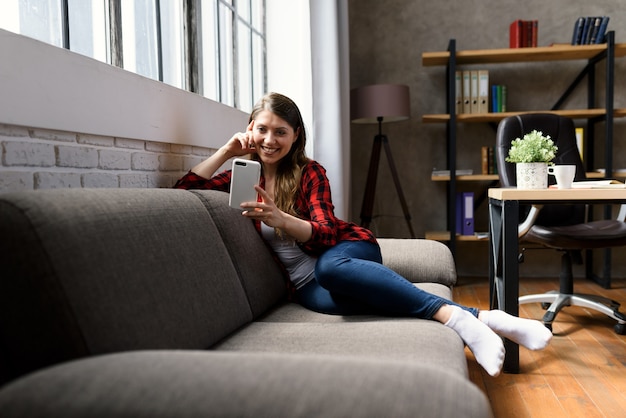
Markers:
532,175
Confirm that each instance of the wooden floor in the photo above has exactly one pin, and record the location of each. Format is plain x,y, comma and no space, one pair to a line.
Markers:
582,373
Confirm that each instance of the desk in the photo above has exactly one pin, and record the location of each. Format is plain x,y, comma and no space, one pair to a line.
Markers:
504,248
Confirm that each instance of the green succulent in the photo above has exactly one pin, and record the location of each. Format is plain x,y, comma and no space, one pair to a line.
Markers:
534,147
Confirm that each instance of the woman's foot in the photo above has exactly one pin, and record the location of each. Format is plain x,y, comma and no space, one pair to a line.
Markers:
487,347
530,333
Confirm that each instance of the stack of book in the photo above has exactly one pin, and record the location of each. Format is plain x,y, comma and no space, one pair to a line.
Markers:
498,98
523,33
590,30
472,91
458,172
488,160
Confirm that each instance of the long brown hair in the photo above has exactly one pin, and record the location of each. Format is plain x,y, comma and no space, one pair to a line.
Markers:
290,167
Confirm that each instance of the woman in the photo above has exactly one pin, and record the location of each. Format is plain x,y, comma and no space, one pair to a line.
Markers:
335,266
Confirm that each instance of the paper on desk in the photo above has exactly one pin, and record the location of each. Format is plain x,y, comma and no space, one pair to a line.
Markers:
597,184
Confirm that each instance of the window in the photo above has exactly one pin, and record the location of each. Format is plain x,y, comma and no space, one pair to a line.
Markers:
212,47
39,19
88,23
140,53
173,43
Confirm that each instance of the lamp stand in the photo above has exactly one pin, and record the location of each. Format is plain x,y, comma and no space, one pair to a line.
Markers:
372,174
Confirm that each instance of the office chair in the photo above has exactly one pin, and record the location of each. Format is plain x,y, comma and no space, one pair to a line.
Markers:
560,227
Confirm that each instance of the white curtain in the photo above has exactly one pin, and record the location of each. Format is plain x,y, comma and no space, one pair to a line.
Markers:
331,96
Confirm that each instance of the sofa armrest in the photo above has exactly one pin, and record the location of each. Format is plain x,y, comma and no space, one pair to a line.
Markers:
209,383
419,260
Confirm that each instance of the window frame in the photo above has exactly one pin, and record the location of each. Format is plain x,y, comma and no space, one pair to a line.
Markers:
231,61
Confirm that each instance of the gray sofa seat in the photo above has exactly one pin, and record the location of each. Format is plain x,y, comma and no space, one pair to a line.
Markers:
167,303
225,384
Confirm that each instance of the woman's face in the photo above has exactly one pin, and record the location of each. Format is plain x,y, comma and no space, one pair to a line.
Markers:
273,137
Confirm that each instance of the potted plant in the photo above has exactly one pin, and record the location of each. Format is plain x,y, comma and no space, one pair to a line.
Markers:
531,155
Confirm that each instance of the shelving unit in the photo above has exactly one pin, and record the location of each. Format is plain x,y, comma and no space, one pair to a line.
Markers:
592,54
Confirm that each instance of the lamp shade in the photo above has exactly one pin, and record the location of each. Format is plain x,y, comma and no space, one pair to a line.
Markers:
388,101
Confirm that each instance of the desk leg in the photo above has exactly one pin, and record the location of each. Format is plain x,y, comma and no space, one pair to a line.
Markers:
504,268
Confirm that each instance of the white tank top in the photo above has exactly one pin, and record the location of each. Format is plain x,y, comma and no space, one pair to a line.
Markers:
299,265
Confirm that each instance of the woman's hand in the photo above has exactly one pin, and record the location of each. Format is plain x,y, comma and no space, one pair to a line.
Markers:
241,143
267,212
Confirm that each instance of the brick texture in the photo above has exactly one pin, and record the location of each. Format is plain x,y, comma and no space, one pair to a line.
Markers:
45,159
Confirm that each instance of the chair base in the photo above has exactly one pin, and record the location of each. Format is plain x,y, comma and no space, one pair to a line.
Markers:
559,300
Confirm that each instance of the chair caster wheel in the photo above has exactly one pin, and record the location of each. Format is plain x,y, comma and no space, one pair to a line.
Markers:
545,306
549,326
620,328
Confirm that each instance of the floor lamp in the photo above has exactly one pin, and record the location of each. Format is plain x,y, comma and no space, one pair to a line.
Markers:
380,103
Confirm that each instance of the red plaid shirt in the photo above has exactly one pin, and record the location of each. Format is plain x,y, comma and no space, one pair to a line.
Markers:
313,203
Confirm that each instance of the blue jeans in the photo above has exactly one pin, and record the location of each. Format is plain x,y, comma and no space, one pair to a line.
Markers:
350,279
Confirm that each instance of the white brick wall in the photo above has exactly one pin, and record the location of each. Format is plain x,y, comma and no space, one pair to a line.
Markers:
43,159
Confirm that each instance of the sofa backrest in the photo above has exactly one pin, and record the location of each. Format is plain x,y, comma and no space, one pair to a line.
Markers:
259,273
91,271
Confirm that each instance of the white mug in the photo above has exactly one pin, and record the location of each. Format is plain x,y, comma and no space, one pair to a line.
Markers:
564,175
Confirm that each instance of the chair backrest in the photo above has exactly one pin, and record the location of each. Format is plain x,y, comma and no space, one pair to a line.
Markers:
562,131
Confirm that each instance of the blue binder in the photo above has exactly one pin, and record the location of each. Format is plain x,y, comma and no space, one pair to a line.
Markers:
465,213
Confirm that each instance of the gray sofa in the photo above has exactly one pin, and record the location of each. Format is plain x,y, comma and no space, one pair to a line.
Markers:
163,303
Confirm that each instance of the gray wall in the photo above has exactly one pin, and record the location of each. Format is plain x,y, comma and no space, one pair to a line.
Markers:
387,39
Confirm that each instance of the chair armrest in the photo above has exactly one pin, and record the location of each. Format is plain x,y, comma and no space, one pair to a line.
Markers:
622,213
525,226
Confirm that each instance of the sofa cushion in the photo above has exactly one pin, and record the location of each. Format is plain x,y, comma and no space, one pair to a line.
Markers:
96,271
401,339
196,384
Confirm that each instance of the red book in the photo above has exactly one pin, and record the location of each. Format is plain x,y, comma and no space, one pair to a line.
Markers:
516,34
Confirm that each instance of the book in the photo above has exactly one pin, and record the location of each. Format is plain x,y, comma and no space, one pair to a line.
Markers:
515,34
600,39
459,172
473,91
493,163
494,99
534,33
598,184
523,33
594,30
578,31
466,92
483,91
458,90
583,38
590,30
465,213
580,142
484,160
488,163
498,100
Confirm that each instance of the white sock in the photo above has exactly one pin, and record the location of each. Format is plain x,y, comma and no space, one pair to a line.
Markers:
487,347
530,333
